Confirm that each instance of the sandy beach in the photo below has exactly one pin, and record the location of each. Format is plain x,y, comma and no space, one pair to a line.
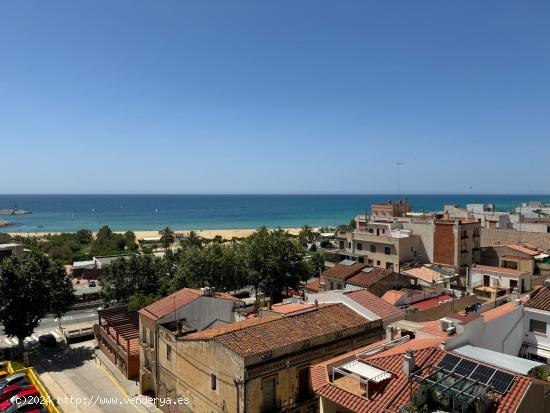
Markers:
207,233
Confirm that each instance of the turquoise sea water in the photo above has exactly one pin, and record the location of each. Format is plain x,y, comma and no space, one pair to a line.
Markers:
53,213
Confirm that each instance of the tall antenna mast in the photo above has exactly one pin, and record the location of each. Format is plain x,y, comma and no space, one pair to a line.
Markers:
397,164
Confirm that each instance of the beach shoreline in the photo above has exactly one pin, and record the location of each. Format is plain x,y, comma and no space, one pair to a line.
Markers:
141,235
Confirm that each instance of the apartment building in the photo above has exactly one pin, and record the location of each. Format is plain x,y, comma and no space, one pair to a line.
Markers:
393,243
380,244
258,365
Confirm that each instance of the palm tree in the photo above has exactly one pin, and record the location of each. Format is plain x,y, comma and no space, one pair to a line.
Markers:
166,237
192,240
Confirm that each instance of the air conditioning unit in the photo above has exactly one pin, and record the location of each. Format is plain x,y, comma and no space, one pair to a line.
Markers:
451,331
547,282
517,302
446,323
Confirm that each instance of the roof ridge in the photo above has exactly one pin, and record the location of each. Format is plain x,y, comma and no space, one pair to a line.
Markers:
269,319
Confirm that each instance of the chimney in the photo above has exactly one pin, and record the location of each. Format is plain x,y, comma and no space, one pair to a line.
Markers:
389,334
409,362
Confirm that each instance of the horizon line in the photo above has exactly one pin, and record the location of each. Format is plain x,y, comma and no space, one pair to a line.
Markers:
401,195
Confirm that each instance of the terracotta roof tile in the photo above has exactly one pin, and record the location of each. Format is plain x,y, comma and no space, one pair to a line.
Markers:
393,296
289,308
256,336
314,286
342,271
396,393
499,269
368,279
523,249
375,304
539,299
177,300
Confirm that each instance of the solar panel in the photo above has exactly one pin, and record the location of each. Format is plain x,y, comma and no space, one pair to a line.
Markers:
449,362
501,381
465,367
482,374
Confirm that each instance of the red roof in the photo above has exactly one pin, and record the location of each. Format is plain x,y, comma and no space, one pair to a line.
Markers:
124,324
313,286
343,271
499,269
393,296
523,249
375,304
539,299
289,308
367,279
177,300
260,335
396,392
431,302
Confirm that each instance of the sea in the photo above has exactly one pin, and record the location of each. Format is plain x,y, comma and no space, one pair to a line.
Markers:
69,213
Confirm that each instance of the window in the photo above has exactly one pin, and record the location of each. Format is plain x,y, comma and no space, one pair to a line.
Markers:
389,266
369,261
537,326
303,384
168,352
373,248
213,381
378,263
332,285
371,231
269,394
387,250
349,244
341,245
338,286
151,339
144,335
360,246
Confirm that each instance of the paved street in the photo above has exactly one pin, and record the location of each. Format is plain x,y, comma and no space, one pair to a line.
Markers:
71,371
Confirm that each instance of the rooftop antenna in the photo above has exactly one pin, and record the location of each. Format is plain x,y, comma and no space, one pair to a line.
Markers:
397,164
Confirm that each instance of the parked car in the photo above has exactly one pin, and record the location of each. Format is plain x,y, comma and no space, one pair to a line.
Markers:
23,398
17,378
92,283
3,369
9,391
47,340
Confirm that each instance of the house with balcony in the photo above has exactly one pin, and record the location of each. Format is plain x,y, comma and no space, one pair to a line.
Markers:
491,282
536,344
117,336
379,244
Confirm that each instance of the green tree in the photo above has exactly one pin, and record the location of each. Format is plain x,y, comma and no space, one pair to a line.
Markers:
276,261
192,240
166,237
127,277
140,300
31,287
317,262
306,235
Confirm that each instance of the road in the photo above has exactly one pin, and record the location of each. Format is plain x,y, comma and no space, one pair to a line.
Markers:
77,382
50,324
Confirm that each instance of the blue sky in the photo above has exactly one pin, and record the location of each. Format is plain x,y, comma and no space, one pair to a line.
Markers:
274,97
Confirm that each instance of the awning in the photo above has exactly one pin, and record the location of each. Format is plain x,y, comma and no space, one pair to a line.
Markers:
541,257
366,371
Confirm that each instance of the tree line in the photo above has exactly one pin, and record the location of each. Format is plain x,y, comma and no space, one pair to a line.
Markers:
270,261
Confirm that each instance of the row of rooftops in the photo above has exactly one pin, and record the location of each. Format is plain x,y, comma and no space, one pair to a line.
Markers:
383,375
